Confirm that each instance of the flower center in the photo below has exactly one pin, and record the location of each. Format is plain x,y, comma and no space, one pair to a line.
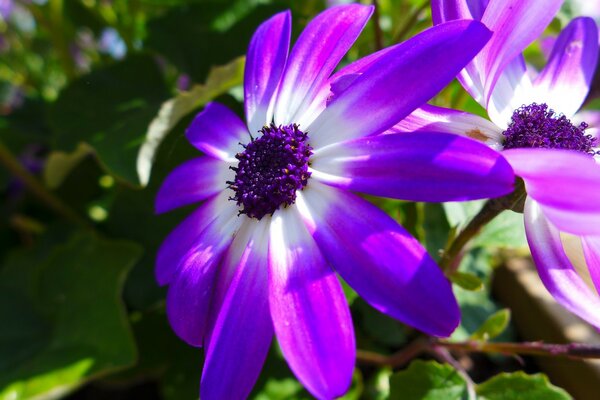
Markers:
538,126
270,170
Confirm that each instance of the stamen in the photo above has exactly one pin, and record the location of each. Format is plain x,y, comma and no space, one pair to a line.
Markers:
537,126
271,169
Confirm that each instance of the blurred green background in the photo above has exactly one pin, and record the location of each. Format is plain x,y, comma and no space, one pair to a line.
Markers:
94,98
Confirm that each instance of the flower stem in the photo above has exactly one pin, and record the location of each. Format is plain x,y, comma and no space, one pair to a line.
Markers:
577,351
569,350
490,210
377,27
11,163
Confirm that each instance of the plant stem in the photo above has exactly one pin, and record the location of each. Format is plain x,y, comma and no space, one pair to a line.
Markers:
396,360
445,356
11,163
570,350
577,351
377,27
490,210
410,22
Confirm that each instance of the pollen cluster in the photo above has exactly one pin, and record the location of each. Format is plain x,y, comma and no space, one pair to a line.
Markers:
270,170
537,126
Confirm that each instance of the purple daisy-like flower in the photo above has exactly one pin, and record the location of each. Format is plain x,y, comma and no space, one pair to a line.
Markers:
259,257
533,122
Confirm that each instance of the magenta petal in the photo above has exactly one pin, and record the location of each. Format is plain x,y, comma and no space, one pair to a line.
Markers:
242,330
556,271
439,119
388,267
591,251
265,62
449,10
217,131
399,82
319,49
418,166
190,291
180,240
311,317
565,183
566,79
191,182
515,23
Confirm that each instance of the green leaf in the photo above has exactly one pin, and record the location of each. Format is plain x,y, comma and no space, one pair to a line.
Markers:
493,326
63,319
436,228
520,386
506,230
59,164
110,109
219,81
428,380
467,281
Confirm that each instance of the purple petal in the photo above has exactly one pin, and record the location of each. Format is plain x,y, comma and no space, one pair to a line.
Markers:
217,131
449,10
265,62
418,166
591,251
566,79
315,55
242,330
188,299
388,267
439,119
311,317
556,271
565,183
181,239
515,23
192,181
399,82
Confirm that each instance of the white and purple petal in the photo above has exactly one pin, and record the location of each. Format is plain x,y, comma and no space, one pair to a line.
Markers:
516,24
388,267
418,166
317,52
554,267
191,287
265,61
310,313
241,327
565,184
217,132
565,81
591,251
398,82
439,119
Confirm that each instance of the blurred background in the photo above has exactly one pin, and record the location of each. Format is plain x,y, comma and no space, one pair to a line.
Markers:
95,96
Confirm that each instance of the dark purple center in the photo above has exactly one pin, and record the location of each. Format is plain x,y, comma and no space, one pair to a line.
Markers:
270,170
538,126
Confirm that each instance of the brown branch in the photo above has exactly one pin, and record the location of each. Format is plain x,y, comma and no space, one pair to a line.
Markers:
577,351
377,26
395,360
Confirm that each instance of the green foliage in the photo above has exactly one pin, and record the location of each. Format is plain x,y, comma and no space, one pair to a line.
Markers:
428,381
66,322
520,386
127,96
493,326
433,381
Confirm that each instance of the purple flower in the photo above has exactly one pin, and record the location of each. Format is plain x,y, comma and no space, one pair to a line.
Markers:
260,256
535,125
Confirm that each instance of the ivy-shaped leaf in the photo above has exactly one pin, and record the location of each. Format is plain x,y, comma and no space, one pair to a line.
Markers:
63,319
428,380
520,386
